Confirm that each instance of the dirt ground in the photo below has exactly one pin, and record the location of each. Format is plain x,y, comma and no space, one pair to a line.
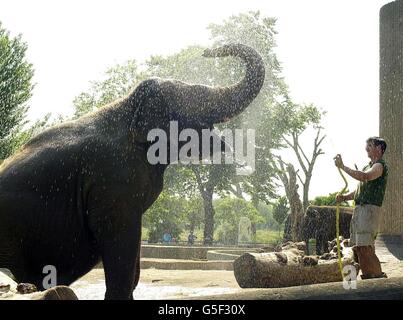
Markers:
169,284
188,278
163,284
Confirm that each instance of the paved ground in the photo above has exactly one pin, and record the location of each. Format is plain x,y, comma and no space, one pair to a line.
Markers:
167,284
389,250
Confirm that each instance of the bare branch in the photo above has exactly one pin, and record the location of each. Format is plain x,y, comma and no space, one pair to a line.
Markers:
296,148
299,178
287,141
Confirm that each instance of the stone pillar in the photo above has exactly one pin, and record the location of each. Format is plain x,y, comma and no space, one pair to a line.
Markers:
391,112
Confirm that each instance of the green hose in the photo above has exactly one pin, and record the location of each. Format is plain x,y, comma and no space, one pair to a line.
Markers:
343,191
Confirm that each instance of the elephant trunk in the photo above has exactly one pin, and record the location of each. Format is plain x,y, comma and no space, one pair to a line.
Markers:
226,102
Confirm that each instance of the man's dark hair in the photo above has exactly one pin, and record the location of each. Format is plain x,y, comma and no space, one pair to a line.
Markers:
377,141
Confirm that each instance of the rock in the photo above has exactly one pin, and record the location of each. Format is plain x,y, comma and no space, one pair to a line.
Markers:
267,249
326,256
281,257
310,261
296,245
4,288
25,288
10,290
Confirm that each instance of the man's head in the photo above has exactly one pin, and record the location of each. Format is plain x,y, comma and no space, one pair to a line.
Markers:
376,146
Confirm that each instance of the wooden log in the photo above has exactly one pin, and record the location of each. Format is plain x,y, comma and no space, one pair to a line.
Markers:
10,290
288,267
372,289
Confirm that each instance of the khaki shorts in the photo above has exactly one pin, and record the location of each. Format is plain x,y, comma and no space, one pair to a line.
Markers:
364,225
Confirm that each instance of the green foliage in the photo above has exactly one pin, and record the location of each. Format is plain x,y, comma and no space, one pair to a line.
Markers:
280,210
119,81
329,200
194,214
228,214
20,136
266,211
15,89
172,214
165,215
270,237
290,118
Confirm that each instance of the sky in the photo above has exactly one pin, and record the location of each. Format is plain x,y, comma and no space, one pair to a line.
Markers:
329,52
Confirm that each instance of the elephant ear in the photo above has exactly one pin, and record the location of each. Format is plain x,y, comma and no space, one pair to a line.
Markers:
150,110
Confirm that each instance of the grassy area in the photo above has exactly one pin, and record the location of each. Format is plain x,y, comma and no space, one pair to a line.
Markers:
268,236
144,234
262,236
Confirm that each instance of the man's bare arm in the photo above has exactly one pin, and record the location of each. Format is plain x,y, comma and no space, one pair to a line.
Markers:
345,197
349,196
375,172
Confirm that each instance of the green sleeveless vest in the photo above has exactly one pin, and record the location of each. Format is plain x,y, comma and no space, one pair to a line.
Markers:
372,192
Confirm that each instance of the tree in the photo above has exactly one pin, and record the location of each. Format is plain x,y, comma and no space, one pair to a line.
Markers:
19,136
15,90
294,121
280,211
194,213
299,118
288,176
229,212
119,81
165,215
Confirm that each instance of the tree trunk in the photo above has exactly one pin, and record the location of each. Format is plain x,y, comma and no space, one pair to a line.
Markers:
305,198
208,218
296,208
255,203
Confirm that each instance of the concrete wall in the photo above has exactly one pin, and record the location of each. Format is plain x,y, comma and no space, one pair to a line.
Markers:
182,252
391,112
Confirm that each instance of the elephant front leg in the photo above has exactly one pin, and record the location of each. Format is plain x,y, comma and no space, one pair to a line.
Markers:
120,256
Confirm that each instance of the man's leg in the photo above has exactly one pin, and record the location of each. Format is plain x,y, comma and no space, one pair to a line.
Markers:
369,262
367,222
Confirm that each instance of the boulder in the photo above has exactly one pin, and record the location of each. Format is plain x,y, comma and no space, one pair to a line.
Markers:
11,290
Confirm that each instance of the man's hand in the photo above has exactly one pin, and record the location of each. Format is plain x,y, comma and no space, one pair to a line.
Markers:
338,161
340,198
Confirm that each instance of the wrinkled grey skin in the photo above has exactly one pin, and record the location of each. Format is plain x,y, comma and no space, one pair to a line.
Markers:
320,224
75,194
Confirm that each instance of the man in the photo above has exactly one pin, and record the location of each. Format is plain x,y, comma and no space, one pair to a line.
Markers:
191,238
368,199
166,238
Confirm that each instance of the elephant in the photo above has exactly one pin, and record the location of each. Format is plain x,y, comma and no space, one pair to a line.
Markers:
320,224
74,195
